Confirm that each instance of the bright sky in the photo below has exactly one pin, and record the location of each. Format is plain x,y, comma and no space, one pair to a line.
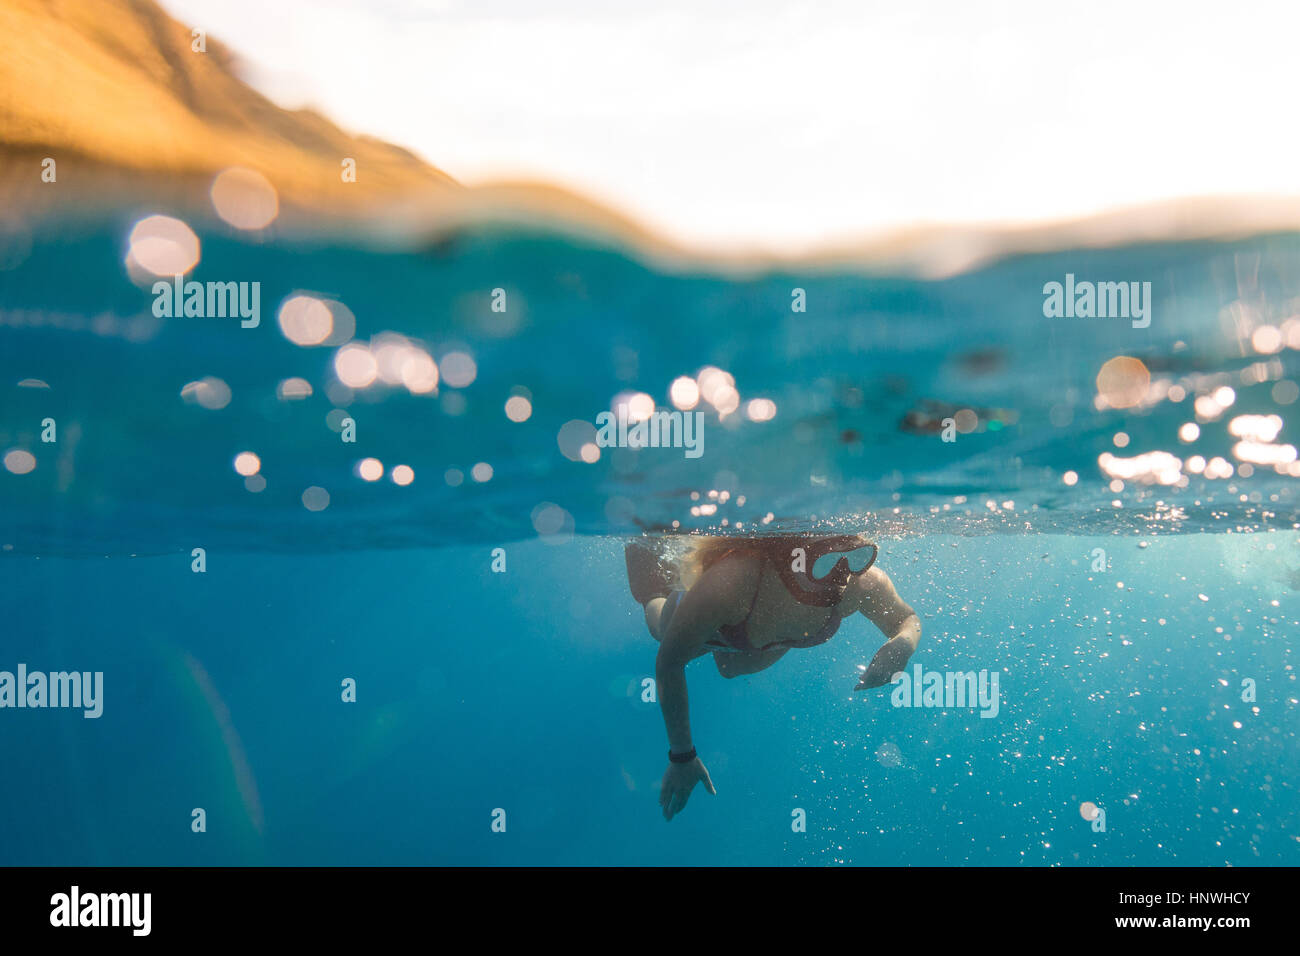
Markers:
783,125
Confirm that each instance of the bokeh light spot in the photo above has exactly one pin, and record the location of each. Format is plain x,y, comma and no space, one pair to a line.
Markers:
244,198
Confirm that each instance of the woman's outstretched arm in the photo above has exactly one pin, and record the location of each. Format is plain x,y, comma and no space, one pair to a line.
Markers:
875,596
720,597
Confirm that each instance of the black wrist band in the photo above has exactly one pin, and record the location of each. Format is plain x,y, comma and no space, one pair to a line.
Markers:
682,758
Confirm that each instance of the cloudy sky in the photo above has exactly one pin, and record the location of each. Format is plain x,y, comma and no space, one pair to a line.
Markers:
784,125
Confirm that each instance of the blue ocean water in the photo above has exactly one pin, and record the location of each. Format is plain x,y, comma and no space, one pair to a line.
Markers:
521,690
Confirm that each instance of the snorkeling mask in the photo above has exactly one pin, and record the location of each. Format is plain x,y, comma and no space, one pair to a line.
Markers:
833,561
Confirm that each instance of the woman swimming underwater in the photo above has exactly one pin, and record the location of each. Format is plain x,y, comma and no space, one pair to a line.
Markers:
747,601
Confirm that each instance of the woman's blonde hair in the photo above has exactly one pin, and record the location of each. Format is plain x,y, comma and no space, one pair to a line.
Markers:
700,554
703,551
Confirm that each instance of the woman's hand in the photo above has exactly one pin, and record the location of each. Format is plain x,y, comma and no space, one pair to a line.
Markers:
679,780
889,660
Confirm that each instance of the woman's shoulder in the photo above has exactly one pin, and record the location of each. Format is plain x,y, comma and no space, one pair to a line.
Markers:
866,588
734,571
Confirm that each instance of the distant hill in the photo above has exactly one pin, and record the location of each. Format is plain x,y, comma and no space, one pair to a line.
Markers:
114,83
113,91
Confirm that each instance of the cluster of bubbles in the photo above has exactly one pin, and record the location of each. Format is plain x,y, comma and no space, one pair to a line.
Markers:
715,387
248,464
163,246
711,386
1124,382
